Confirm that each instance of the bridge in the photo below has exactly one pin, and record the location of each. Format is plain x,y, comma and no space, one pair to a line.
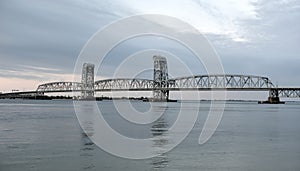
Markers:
161,84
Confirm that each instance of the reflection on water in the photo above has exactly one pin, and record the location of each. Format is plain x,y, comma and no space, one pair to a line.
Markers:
88,147
86,142
159,131
87,151
159,128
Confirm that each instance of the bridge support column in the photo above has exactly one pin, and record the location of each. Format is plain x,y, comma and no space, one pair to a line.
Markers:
273,97
87,81
160,79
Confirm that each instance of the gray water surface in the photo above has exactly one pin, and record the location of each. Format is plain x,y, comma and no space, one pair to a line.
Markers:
46,135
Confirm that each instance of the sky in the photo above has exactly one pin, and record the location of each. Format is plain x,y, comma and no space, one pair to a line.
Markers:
40,40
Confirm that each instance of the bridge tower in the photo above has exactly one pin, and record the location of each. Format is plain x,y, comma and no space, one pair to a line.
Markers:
87,81
160,78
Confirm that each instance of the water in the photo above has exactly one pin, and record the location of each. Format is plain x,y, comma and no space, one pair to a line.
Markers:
45,135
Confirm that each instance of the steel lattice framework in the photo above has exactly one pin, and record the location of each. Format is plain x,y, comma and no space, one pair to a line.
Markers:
198,83
246,82
59,87
124,84
201,82
289,92
160,78
87,81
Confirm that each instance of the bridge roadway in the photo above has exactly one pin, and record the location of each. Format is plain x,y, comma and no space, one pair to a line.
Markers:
192,83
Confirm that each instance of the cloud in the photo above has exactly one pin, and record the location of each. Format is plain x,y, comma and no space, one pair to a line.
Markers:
40,68
48,33
34,74
210,17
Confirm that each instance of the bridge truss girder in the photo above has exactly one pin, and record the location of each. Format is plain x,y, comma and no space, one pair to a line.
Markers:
59,87
124,84
285,92
201,82
221,81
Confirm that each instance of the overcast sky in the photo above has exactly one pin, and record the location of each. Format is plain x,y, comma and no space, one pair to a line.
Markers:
40,40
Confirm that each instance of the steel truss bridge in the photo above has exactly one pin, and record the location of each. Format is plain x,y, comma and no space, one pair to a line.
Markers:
161,85
193,83
201,82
